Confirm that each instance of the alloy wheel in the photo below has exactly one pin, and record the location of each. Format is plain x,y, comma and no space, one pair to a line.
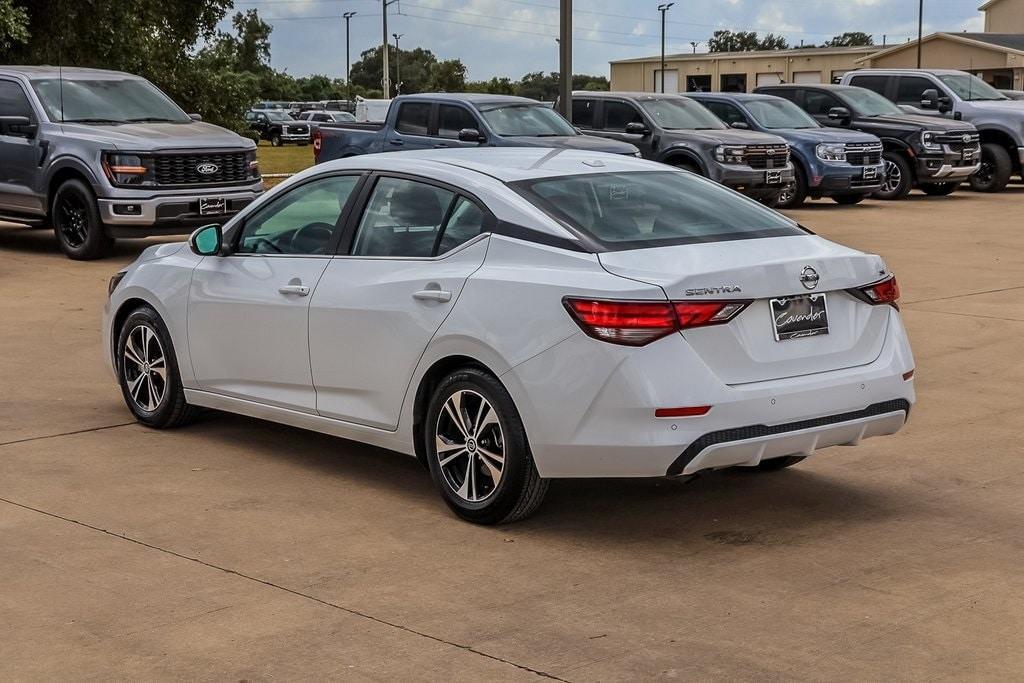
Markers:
786,196
145,368
73,219
893,177
984,173
470,446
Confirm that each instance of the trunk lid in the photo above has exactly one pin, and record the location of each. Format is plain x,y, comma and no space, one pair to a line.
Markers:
745,349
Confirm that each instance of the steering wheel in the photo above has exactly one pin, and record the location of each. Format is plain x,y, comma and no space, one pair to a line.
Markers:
265,242
317,235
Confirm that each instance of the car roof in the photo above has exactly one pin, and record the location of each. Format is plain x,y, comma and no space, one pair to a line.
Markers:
935,72
809,86
738,96
506,164
627,93
67,73
472,97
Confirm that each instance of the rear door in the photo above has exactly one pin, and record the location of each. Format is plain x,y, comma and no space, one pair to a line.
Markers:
378,305
20,154
412,127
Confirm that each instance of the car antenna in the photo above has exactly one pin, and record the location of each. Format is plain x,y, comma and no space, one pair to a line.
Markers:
60,82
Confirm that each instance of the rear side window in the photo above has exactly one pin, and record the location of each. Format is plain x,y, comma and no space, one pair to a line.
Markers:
452,119
13,101
618,114
403,218
414,118
911,88
784,93
583,112
466,222
653,208
876,83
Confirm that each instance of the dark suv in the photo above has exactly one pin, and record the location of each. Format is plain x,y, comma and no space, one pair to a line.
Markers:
930,153
278,126
678,131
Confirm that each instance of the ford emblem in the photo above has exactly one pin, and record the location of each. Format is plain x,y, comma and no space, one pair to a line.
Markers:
207,169
809,277
967,138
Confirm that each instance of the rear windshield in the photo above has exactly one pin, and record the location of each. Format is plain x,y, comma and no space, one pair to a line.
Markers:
654,208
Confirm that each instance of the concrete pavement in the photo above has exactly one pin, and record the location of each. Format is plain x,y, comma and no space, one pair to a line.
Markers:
239,549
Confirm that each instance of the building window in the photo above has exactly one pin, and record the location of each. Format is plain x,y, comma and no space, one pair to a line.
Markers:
698,84
733,83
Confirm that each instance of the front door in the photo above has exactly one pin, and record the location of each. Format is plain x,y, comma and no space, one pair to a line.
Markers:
19,154
248,314
616,116
378,307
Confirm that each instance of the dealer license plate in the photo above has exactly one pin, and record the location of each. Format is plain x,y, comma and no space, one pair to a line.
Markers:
869,173
795,317
212,206
773,177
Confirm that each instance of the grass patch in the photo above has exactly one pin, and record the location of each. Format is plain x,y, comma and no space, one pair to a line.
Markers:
285,159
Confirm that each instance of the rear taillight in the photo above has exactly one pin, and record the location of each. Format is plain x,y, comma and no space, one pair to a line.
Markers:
317,143
636,323
885,292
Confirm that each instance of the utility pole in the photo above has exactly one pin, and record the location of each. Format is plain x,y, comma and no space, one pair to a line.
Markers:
663,9
565,60
398,65
384,46
920,24
348,54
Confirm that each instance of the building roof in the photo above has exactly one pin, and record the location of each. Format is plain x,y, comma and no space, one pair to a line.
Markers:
755,54
988,4
1013,42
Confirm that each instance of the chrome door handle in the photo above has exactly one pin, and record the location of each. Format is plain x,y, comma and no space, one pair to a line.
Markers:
298,290
433,295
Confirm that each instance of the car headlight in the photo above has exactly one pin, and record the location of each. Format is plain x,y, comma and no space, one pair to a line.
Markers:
252,164
928,141
129,169
730,154
828,151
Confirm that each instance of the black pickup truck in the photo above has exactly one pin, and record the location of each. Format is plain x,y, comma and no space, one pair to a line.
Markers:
933,154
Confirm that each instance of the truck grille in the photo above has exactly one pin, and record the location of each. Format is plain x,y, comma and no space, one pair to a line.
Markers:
183,169
959,140
863,154
291,129
766,156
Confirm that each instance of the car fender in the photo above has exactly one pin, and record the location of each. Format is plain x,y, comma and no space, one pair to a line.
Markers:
65,162
682,152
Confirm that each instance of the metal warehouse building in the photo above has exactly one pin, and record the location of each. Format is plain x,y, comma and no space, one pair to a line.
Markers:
996,55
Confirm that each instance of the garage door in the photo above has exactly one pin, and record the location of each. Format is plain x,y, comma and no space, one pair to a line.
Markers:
768,79
807,77
671,80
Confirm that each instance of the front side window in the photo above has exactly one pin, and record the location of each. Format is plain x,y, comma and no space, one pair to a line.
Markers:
13,101
452,119
868,103
818,103
413,118
403,218
300,223
617,115
911,88
680,113
106,100
729,113
653,208
777,114
525,120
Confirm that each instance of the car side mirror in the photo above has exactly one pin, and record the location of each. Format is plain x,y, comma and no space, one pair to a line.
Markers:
18,126
840,115
742,125
207,240
195,117
637,128
930,99
471,135
945,104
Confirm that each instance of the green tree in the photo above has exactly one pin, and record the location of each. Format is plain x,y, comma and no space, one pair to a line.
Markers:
850,39
417,69
744,41
13,25
447,76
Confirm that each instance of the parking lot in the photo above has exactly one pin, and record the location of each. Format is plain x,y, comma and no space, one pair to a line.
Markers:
237,549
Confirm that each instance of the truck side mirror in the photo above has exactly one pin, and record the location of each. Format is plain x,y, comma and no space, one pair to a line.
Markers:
207,240
637,128
840,115
930,99
18,126
471,135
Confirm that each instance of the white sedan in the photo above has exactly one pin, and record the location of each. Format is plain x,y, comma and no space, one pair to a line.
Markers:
512,315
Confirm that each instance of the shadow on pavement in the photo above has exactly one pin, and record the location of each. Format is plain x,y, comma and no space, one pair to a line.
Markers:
41,241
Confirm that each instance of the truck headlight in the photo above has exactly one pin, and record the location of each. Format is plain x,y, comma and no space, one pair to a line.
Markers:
928,141
828,151
129,169
252,164
730,154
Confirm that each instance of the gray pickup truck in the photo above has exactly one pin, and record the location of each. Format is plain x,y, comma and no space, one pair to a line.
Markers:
960,96
99,155
439,120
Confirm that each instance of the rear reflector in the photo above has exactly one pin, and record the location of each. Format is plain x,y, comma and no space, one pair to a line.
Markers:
636,323
907,375
885,292
318,142
690,411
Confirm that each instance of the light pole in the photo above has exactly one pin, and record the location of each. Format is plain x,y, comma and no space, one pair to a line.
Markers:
398,65
920,24
565,59
348,77
663,9
386,81
694,44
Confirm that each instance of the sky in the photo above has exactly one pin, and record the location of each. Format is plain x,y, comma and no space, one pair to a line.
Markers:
513,37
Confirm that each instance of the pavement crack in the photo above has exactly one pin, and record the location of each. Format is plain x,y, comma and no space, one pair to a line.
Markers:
71,433
271,584
961,296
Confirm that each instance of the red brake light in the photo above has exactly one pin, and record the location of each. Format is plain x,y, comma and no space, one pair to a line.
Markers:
317,142
885,292
636,323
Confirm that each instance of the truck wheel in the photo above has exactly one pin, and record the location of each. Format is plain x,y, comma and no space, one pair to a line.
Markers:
76,222
275,140
995,170
848,199
794,195
898,178
939,189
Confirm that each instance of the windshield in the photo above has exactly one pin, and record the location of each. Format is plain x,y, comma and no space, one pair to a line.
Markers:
654,208
106,101
343,116
526,120
970,88
869,103
778,113
275,115
678,113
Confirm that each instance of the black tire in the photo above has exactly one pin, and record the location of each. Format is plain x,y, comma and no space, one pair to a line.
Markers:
275,140
685,164
848,199
797,193
995,170
770,200
156,402
897,168
519,489
776,464
76,222
939,189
